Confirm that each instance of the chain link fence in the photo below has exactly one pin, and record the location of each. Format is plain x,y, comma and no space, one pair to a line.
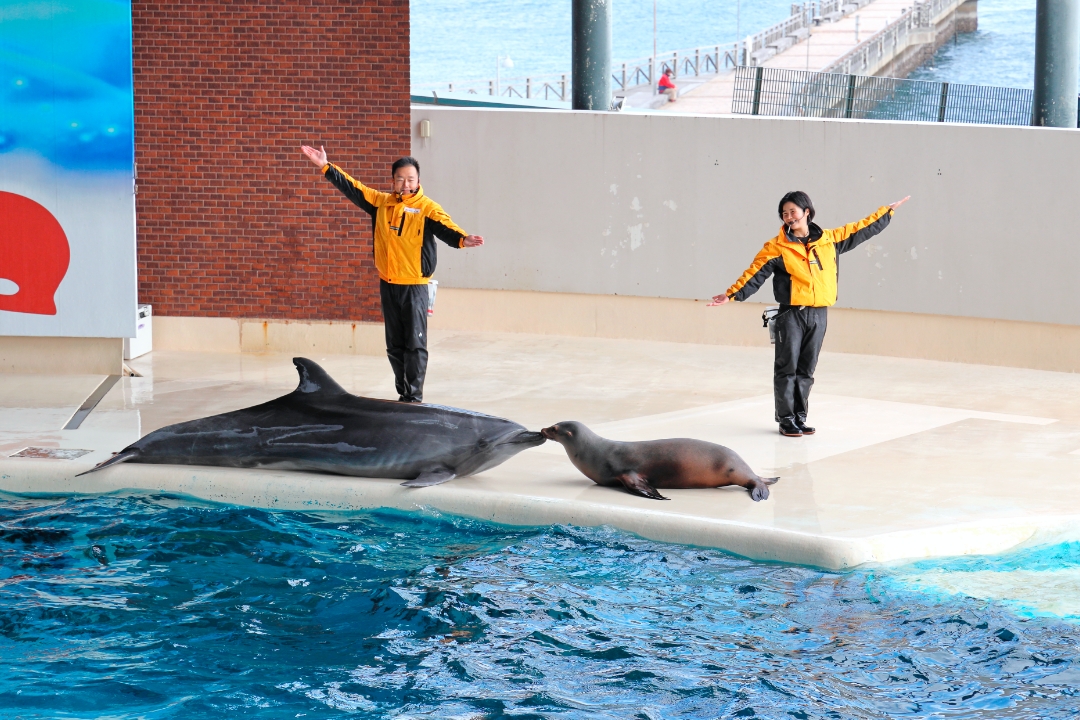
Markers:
796,93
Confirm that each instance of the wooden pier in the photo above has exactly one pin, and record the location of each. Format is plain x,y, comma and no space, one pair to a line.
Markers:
866,38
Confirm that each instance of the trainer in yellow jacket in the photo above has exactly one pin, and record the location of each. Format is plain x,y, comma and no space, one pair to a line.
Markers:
805,270
804,262
405,224
405,228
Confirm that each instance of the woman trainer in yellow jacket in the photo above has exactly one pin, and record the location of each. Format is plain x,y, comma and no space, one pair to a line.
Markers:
405,224
804,262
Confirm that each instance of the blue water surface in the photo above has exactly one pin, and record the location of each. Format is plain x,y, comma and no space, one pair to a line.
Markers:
155,607
1001,52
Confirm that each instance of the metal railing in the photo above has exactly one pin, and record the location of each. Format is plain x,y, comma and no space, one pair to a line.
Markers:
624,76
796,93
875,52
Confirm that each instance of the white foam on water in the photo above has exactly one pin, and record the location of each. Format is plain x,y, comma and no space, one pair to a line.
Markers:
1039,592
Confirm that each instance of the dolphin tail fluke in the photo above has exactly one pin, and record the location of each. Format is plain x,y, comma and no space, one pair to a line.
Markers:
429,478
119,457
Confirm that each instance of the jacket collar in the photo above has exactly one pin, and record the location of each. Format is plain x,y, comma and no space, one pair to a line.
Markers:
413,199
815,235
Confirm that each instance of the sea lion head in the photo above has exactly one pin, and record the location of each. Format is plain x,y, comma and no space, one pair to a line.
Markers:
568,433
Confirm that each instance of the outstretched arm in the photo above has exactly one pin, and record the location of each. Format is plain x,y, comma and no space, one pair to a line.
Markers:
361,195
447,230
766,262
854,234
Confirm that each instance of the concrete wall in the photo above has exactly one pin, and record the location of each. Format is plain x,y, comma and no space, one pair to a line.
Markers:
670,206
62,355
203,334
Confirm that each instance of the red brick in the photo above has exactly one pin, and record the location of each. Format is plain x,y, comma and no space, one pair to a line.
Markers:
232,220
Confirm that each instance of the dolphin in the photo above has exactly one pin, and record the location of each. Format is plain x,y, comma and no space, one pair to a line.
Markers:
322,428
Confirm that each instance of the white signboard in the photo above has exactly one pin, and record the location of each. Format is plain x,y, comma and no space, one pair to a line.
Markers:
67,204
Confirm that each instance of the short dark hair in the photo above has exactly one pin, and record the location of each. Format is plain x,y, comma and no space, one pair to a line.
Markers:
403,162
800,199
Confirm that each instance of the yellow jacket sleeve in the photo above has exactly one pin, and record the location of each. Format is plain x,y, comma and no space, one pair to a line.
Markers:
854,234
760,269
367,199
444,228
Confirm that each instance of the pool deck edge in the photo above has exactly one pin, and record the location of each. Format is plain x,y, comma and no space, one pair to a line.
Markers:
282,490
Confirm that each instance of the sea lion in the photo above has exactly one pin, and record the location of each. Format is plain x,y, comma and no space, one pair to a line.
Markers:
641,467
320,427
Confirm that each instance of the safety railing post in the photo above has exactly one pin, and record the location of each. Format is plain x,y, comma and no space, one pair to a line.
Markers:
562,89
755,104
944,101
528,87
849,103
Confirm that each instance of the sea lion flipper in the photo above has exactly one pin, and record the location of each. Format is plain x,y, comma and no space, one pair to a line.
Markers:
429,478
759,490
638,485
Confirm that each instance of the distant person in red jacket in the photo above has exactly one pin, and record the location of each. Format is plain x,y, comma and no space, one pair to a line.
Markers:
666,86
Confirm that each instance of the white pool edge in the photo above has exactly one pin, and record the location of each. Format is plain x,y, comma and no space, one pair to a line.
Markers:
309,491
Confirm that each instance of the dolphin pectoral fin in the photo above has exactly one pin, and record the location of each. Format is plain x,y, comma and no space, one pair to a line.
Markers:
115,459
637,485
429,478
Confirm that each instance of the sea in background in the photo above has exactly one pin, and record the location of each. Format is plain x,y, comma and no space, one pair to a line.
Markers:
456,41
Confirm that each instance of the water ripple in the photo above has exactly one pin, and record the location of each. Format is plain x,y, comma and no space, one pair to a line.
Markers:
132,607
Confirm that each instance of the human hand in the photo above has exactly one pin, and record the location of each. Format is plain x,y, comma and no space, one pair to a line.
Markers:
719,300
317,157
898,203
472,241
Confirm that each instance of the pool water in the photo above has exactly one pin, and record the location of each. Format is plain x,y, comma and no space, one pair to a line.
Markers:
157,607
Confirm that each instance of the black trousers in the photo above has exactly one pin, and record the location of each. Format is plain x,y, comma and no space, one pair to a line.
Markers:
799,334
404,309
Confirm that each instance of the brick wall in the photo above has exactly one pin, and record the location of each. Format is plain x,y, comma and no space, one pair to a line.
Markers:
232,220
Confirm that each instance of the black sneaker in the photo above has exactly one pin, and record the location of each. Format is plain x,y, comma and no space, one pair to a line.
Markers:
788,428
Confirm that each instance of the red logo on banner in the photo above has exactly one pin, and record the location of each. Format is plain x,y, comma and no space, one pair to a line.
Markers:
34,256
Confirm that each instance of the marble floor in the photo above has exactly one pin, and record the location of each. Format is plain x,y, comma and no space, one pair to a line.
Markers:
912,458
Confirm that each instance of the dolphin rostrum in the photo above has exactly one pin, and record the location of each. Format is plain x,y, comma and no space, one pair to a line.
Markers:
320,427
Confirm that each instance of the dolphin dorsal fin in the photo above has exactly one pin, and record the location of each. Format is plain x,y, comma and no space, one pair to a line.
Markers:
313,379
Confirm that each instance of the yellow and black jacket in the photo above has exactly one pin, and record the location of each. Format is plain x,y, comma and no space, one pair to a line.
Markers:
404,229
805,271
